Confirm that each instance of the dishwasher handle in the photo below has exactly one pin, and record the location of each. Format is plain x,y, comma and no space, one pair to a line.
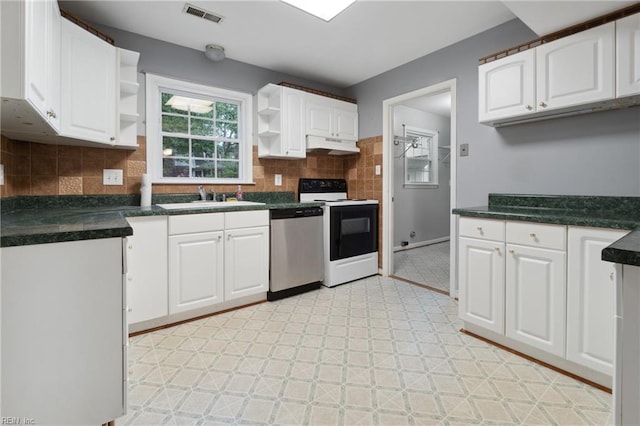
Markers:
291,213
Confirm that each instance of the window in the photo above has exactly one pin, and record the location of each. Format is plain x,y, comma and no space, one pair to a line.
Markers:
421,158
196,133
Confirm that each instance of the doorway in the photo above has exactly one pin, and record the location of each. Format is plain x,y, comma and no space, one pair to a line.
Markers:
419,146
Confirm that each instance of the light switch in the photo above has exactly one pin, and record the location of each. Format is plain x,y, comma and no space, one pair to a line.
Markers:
378,170
112,177
278,180
464,150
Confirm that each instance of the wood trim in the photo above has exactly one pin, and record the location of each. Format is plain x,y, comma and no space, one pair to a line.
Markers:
583,26
173,324
437,290
537,361
317,92
87,26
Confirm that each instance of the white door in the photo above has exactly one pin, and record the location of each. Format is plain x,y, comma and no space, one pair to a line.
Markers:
628,56
319,117
147,292
195,270
535,297
481,283
293,122
246,262
506,87
88,86
577,69
590,298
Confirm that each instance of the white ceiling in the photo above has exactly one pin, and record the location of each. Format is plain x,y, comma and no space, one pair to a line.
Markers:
370,37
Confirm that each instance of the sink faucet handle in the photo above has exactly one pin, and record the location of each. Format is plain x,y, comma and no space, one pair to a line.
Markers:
213,194
202,192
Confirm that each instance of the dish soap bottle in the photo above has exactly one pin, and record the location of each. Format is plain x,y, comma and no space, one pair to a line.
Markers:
239,193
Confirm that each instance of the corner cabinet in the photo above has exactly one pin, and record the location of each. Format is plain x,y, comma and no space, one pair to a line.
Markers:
591,286
281,122
88,86
146,255
30,48
628,56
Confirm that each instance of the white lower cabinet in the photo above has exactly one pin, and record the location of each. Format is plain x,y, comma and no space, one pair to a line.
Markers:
542,289
246,262
146,253
590,298
217,257
195,271
535,297
481,283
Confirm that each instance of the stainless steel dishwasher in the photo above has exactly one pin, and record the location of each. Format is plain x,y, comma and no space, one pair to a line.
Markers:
297,262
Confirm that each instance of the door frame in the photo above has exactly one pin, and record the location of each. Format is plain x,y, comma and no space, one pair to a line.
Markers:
387,178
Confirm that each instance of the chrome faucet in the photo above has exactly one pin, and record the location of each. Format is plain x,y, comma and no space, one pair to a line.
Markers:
213,194
202,192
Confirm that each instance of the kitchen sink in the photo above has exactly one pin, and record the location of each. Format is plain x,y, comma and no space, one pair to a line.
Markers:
208,205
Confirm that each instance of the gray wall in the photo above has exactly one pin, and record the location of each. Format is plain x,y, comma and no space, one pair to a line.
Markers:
595,153
423,210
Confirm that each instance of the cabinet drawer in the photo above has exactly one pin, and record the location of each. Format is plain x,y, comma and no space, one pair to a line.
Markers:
246,219
537,235
486,229
191,223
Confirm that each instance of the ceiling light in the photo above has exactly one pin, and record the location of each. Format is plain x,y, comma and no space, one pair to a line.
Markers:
214,52
324,9
182,103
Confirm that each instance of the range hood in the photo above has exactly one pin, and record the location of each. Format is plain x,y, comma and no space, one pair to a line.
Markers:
333,146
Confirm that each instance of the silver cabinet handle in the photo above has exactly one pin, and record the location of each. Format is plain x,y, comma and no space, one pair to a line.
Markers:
529,107
543,105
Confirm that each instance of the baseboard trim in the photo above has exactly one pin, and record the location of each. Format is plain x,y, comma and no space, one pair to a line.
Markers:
421,244
437,290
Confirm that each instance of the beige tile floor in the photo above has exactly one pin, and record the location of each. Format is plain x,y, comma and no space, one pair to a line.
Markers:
428,265
377,351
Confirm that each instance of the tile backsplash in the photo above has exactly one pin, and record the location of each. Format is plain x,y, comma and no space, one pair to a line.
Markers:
40,169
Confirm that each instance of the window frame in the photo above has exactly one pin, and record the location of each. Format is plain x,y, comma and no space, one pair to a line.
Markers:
155,84
432,135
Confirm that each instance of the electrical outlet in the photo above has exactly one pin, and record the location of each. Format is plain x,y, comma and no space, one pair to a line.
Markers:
112,177
464,150
278,180
378,170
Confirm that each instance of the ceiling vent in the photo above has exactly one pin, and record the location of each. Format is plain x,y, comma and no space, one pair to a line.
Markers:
200,13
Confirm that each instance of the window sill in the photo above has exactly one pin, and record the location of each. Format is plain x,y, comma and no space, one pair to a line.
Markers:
421,186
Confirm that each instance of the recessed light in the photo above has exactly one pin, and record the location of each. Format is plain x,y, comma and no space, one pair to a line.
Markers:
325,9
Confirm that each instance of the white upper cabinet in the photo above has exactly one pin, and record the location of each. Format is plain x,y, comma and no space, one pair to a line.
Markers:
507,87
280,122
577,69
331,118
628,56
88,86
30,36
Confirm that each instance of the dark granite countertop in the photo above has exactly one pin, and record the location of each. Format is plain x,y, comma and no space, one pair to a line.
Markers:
41,220
592,211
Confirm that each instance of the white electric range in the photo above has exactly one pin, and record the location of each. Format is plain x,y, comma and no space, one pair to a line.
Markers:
350,228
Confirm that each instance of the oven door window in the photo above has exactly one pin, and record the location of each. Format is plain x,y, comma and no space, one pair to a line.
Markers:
354,231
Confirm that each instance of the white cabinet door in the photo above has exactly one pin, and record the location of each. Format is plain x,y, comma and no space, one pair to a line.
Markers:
195,270
628,56
346,121
147,293
577,69
319,117
246,262
507,87
88,86
535,297
481,283
293,112
590,298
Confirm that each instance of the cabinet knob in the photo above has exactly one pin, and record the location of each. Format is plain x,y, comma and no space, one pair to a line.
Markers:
219,238
498,250
533,235
130,246
612,276
543,105
529,107
512,251
129,309
479,228
112,138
